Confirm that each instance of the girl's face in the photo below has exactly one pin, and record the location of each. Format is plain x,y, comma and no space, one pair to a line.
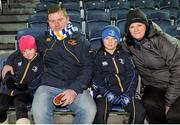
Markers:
110,44
29,53
137,30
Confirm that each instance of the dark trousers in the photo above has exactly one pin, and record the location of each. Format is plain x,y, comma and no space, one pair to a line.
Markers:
135,108
20,102
154,103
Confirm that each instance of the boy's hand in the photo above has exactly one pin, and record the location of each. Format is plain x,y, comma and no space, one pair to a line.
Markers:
6,69
122,99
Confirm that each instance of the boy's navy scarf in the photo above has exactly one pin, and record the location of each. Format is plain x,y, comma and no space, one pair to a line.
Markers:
60,35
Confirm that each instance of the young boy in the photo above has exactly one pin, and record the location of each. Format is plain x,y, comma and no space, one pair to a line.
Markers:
19,87
115,79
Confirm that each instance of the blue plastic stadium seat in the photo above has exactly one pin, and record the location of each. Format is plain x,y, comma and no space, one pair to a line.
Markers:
120,4
144,4
71,5
117,13
121,24
171,3
43,7
50,1
30,31
163,23
173,31
93,4
93,25
37,20
97,14
159,15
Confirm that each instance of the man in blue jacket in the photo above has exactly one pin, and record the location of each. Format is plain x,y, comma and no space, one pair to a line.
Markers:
115,79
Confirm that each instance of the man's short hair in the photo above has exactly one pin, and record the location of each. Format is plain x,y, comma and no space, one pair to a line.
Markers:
56,8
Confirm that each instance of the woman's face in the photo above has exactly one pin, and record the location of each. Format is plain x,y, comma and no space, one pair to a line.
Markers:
137,30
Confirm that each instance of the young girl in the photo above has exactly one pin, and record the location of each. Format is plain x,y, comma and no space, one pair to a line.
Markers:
115,79
18,87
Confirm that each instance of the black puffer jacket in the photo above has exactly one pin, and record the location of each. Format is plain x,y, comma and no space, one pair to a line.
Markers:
67,63
158,61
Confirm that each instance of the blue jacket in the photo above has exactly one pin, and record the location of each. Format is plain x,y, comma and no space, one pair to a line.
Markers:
115,72
67,62
26,82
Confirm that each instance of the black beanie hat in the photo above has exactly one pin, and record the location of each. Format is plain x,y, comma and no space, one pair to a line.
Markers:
136,15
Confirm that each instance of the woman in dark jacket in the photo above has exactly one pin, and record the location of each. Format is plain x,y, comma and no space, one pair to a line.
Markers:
115,79
19,88
157,58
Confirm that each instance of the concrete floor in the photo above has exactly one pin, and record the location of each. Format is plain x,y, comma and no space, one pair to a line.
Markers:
68,118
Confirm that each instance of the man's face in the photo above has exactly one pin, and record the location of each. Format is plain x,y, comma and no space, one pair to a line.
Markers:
137,30
29,53
57,21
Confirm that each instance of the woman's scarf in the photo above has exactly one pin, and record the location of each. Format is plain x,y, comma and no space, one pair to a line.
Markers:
60,35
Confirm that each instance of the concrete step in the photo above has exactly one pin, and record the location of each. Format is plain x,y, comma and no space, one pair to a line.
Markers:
13,18
5,53
23,5
23,1
8,46
68,118
15,11
9,38
11,27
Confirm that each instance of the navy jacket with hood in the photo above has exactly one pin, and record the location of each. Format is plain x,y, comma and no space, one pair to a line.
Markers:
67,62
115,72
27,73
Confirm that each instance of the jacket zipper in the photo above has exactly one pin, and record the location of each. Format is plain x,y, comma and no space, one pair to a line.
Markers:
26,70
117,72
71,53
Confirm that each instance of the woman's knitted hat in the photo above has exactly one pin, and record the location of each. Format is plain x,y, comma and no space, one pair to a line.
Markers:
135,16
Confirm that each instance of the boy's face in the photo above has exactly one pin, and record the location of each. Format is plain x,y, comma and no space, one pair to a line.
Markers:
29,53
110,43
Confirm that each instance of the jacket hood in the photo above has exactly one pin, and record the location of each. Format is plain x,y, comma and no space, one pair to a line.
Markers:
153,29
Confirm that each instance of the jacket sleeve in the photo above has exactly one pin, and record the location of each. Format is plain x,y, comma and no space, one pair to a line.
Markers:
131,77
170,50
11,58
85,73
98,78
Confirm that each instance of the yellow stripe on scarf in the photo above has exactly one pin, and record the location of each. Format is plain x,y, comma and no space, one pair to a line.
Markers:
60,36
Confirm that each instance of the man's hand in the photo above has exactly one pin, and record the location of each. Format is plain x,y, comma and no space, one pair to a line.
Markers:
6,69
166,109
69,97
